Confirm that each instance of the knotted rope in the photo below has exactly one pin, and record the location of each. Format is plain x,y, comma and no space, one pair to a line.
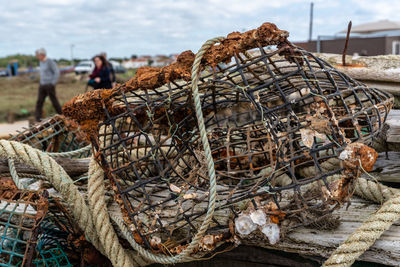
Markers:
185,255
95,221
55,175
366,235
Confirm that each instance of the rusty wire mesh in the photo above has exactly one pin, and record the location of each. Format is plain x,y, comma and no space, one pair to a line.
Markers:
57,233
267,120
56,134
21,213
37,230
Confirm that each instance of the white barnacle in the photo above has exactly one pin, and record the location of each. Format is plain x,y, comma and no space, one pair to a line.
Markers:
207,243
244,225
346,154
175,189
272,231
293,97
258,217
155,241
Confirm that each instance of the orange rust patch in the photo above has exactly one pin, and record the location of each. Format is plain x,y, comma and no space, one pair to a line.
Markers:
87,109
351,66
73,126
357,152
275,215
235,42
339,191
152,77
7,185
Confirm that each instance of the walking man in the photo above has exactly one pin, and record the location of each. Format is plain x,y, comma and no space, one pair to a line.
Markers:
49,74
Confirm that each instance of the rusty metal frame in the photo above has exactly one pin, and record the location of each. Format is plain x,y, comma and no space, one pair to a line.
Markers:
20,216
254,108
55,134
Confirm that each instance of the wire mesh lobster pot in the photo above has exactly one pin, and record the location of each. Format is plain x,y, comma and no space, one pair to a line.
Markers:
21,213
36,230
271,116
61,242
55,134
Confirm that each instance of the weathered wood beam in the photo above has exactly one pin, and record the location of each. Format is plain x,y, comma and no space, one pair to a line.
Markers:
74,167
315,242
389,138
387,169
319,244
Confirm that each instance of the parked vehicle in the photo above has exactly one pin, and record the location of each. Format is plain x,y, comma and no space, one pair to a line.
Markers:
86,66
118,68
3,73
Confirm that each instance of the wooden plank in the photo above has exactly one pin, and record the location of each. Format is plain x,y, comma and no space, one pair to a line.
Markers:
371,73
315,242
74,167
250,256
390,87
387,169
393,121
319,244
374,68
389,138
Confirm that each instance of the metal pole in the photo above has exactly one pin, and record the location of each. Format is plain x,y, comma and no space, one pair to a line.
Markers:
311,21
319,44
72,54
346,44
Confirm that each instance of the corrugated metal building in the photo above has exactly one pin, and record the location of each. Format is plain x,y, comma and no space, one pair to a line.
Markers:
369,39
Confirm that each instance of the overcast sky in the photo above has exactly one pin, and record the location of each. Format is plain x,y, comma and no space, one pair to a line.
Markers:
122,28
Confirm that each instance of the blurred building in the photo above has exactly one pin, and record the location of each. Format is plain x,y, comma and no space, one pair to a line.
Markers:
161,61
368,39
135,63
153,61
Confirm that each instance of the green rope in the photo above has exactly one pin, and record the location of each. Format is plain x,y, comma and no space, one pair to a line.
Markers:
184,256
56,175
69,154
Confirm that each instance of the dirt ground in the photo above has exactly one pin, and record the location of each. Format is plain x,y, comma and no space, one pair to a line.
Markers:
11,128
18,94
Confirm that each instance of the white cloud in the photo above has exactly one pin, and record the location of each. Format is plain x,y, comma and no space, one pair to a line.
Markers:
60,2
127,27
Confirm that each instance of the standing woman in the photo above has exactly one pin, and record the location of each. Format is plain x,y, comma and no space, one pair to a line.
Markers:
100,77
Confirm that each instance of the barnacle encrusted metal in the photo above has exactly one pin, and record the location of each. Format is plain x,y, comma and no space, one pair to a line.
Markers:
277,118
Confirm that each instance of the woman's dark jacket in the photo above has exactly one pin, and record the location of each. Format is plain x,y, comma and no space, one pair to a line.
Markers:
104,75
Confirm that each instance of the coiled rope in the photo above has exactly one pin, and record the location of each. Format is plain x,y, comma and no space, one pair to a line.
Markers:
366,235
95,221
55,175
185,256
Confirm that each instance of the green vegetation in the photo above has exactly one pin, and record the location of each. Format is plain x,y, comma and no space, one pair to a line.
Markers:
18,94
23,60
123,77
